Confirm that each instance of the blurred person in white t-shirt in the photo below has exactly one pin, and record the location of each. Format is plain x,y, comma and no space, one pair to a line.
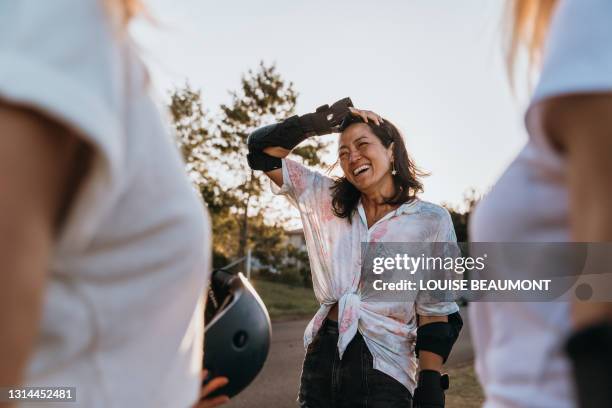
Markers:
104,245
558,189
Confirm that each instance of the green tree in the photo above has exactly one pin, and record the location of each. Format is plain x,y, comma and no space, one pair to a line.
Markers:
461,214
264,97
215,151
198,142
199,145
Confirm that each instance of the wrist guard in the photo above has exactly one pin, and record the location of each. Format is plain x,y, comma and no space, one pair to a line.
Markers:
326,119
430,390
292,131
590,351
439,337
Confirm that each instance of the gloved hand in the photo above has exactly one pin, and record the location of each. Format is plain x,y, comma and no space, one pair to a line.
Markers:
430,390
293,131
326,119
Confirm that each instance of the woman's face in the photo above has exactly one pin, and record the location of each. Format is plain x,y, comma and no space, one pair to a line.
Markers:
364,160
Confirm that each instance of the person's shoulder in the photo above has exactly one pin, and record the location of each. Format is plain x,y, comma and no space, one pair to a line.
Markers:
437,220
428,209
28,16
80,38
578,51
434,215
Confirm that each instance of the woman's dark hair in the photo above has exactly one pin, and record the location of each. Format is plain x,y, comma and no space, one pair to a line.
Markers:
345,195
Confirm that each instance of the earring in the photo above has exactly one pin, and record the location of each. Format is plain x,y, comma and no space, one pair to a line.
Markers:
393,172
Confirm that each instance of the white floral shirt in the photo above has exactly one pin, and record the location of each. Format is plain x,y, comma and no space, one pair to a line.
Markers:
334,249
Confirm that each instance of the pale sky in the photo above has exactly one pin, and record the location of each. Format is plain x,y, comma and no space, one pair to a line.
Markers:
433,67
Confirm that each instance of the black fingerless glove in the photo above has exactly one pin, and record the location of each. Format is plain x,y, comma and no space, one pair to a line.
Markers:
326,119
590,351
293,131
430,390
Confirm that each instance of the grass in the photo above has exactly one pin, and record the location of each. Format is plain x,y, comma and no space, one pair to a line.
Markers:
284,301
465,391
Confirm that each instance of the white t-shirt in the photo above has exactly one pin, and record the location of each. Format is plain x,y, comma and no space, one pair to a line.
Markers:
122,319
519,356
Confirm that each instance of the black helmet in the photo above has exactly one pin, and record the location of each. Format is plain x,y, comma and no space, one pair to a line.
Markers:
237,332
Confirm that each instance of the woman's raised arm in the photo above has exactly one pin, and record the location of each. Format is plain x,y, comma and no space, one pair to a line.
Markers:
269,144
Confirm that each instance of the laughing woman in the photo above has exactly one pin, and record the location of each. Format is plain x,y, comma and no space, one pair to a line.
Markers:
361,353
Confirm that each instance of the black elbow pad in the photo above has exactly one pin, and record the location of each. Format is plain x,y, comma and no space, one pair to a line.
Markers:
286,134
294,130
439,337
258,160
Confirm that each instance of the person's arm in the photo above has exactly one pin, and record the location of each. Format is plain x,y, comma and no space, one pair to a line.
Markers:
439,322
269,144
436,336
37,162
276,175
429,360
208,388
580,127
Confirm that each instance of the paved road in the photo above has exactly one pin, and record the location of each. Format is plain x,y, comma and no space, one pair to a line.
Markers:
277,384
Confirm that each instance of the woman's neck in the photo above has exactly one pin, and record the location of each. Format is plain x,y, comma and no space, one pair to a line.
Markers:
374,204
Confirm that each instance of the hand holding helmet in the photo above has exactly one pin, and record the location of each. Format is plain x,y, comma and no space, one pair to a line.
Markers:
237,334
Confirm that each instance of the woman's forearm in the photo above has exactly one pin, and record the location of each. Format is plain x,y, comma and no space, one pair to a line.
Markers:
276,175
269,143
427,359
430,383
277,151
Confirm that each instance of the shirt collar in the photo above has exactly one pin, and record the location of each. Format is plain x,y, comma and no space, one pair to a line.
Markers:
406,208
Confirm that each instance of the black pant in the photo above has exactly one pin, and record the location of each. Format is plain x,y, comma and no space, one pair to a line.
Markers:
328,382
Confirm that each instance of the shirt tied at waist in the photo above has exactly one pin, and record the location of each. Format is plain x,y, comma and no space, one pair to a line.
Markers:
349,306
348,319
